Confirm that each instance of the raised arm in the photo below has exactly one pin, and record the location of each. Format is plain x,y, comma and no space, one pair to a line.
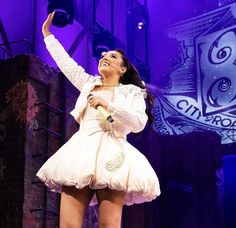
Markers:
75,73
47,24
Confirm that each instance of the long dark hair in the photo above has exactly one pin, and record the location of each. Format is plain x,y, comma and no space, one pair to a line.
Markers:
131,76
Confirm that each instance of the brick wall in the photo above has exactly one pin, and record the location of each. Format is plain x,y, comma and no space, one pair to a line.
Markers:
27,86
11,148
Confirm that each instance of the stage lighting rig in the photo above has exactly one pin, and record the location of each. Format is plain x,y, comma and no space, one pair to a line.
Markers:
140,18
102,40
64,12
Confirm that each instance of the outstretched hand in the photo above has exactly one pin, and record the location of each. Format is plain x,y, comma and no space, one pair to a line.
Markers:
47,24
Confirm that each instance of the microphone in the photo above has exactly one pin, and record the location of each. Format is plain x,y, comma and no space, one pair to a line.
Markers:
107,116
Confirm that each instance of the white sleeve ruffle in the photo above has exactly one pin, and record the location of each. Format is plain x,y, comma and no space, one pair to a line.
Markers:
132,115
75,73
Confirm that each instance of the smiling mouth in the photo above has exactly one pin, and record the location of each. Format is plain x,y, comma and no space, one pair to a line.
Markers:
105,64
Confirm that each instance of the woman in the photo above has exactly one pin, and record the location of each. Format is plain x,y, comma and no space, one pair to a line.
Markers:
97,164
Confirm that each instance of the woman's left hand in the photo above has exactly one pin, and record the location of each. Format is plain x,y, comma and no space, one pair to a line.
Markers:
96,101
47,24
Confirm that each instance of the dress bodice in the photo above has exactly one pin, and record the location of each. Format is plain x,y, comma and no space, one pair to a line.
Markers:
92,120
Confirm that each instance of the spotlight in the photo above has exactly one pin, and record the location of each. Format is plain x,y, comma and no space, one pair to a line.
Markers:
140,25
63,12
139,16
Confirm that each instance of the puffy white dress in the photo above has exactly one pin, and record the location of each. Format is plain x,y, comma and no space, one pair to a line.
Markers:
96,157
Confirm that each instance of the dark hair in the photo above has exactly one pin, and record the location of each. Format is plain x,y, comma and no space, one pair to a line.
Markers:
131,76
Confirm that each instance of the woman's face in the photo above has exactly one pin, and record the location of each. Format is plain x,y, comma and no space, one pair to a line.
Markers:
111,63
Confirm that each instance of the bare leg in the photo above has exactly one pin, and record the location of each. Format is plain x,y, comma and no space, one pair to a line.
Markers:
73,206
110,207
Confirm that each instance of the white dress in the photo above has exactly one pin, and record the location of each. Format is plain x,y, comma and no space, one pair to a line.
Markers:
97,157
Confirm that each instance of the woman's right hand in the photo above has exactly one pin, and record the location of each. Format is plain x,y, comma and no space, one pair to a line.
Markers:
47,23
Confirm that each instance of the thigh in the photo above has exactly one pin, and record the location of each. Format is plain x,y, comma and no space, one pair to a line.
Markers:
73,205
110,207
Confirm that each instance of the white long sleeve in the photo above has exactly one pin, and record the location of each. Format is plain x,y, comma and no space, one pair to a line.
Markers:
75,73
132,116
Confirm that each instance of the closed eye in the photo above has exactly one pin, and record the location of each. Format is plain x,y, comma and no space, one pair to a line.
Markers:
114,56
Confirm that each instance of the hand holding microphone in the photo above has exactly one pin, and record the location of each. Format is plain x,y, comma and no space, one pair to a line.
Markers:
96,103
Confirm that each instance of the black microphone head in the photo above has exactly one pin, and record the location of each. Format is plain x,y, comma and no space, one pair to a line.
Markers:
110,119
